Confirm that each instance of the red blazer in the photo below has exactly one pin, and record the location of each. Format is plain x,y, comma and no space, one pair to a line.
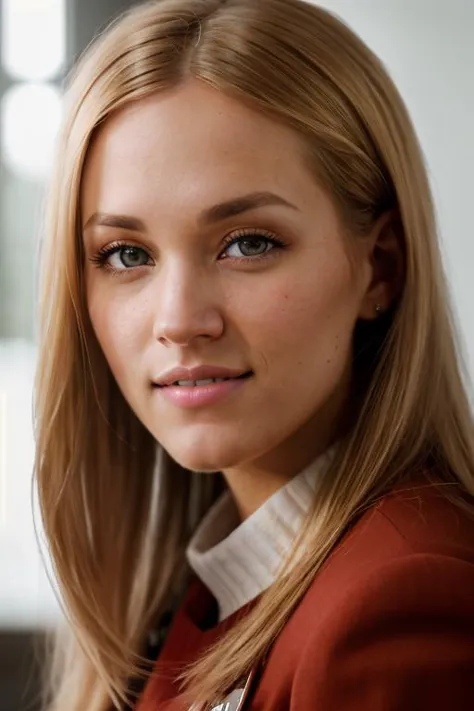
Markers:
387,625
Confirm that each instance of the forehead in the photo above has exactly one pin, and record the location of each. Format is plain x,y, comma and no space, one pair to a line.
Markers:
192,145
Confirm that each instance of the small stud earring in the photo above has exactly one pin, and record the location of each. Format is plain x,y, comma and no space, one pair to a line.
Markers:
378,309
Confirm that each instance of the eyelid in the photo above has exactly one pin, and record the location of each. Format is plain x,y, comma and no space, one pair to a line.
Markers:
122,244
250,232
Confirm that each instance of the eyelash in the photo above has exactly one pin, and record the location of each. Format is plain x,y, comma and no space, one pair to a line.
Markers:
100,259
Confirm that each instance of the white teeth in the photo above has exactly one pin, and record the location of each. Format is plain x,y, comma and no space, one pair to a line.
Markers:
194,383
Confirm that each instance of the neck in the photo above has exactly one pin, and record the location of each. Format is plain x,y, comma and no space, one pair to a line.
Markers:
253,483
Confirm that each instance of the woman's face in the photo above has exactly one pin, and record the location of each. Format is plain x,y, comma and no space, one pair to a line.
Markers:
209,244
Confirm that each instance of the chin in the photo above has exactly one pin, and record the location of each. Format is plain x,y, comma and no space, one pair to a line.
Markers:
206,464
199,458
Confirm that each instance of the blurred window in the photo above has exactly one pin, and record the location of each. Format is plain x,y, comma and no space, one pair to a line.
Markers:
32,62
33,39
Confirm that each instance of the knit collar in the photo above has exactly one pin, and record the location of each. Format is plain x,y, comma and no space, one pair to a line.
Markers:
237,561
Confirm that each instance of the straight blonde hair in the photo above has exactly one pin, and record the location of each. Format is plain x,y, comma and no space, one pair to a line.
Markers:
117,512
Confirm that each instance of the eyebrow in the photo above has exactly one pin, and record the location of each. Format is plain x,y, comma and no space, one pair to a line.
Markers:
103,219
216,213
237,206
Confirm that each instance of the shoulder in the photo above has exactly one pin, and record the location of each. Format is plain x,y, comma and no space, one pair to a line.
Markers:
411,542
424,519
413,520
389,621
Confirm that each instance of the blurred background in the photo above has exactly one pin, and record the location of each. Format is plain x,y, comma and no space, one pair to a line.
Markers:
429,49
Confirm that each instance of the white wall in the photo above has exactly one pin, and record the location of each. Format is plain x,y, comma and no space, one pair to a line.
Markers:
429,49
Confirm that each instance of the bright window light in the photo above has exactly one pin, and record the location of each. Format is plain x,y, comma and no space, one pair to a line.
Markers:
26,598
31,114
33,38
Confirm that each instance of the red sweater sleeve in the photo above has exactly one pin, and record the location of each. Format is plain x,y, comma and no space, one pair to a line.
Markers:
402,640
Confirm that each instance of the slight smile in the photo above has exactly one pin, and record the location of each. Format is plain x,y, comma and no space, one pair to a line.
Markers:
199,387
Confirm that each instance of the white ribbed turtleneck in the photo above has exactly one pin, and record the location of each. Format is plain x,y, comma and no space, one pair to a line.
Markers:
238,561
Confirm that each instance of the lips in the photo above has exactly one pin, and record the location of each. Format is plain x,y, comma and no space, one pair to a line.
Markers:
207,392
193,377
203,382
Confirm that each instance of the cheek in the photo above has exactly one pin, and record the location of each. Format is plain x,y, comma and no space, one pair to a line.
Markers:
117,325
306,321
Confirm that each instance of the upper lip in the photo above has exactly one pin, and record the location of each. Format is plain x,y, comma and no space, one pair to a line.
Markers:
202,372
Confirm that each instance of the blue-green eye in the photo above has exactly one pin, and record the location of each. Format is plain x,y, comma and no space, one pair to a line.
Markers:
121,257
128,257
246,246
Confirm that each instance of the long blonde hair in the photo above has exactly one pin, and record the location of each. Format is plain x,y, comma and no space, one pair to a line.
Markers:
116,510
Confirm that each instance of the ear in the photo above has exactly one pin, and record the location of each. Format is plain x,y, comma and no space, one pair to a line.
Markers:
386,261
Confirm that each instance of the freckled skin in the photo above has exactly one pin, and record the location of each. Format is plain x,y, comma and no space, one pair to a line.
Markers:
288,317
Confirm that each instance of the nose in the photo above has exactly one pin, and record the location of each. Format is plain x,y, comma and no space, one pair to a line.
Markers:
187,308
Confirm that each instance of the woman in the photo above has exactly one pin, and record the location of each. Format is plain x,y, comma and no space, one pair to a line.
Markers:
251,421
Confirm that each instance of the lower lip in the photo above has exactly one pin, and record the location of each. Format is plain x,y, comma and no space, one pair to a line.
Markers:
201,395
